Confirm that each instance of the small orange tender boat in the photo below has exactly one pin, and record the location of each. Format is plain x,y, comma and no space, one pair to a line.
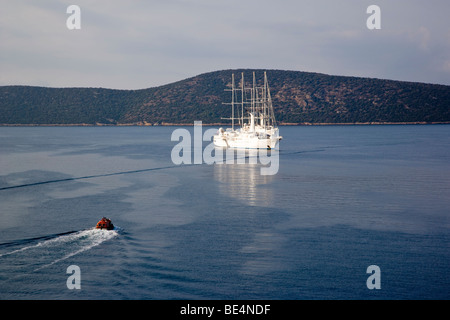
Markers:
104,223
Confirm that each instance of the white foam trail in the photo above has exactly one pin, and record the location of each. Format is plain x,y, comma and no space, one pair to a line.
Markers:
70,244
16,251
94,237
40,244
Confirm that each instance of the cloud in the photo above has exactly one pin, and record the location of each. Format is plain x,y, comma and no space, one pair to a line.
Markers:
421,36
148,43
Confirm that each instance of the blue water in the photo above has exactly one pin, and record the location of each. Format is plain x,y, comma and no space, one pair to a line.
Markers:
344,198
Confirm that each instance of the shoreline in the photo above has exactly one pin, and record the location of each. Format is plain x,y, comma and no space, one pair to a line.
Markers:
168,124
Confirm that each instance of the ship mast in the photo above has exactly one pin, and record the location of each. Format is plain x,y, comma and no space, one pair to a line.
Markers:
253,93
232,101
264,102
242,113
271,112
259,109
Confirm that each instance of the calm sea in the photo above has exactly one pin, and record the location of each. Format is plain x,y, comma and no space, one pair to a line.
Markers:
344,198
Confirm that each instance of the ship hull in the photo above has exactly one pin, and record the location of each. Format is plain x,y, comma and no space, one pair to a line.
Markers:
245,141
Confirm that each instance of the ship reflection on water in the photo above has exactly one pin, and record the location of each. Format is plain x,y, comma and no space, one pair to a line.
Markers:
244,182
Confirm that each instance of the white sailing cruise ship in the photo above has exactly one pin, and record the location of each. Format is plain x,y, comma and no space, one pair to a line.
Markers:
257,128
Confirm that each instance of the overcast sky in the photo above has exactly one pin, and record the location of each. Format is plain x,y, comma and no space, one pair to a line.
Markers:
139,44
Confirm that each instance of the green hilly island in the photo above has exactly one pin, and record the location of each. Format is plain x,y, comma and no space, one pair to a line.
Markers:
298,98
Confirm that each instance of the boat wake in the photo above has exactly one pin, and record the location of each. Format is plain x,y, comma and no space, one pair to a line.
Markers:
43,252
